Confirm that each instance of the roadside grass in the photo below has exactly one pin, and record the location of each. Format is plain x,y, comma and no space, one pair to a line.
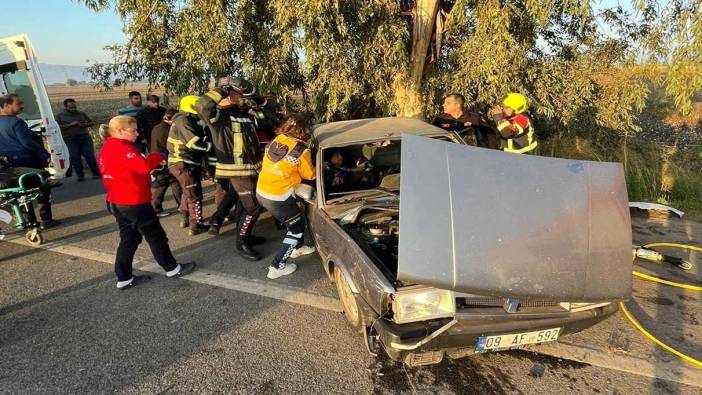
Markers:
654,173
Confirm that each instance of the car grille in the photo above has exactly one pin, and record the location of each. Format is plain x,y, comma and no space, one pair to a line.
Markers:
483,301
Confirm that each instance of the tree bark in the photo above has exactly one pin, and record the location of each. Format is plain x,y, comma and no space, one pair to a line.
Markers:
408,88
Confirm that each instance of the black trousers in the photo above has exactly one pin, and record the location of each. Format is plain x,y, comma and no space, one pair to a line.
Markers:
290,215
159,186
44,199
135,224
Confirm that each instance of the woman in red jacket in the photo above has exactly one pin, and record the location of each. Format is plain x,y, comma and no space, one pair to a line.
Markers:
127,180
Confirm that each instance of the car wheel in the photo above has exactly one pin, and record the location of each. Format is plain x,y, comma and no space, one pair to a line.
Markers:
348,300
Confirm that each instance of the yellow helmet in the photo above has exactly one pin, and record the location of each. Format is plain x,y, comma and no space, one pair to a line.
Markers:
187,104
517,102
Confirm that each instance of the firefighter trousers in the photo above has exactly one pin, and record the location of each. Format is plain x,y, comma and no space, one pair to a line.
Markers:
245,188
190,180
225,200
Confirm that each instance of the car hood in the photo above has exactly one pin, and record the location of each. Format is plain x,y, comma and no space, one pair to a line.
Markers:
492,223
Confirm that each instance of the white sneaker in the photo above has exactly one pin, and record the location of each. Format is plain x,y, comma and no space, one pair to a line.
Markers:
304,250
274,273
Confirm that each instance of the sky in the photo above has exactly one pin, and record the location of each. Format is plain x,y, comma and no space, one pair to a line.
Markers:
67,33
62,31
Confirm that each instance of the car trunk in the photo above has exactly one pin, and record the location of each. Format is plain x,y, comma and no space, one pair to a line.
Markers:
499,225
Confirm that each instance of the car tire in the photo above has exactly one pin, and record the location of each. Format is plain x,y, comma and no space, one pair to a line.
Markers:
348,300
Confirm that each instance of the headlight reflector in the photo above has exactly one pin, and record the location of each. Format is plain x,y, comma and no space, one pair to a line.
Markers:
421,304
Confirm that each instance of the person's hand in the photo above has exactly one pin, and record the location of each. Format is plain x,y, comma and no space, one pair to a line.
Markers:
496,110
163,163
467,123
336,181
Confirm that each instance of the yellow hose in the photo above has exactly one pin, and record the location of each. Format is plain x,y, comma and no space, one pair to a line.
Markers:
641,329
691,287
674,245
667,282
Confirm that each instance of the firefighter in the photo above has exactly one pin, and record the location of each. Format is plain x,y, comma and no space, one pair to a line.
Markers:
513,123
238,151
163,179
186,150
288,161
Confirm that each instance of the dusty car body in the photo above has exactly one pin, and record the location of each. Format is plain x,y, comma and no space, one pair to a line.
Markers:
487,260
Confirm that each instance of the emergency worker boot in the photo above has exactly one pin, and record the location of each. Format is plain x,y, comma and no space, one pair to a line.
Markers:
184,220
196,229
254,240
214,229
245,250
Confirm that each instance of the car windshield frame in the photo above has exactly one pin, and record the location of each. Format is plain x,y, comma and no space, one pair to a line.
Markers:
452,136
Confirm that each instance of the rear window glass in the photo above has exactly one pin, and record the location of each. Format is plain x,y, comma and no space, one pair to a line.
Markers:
18,83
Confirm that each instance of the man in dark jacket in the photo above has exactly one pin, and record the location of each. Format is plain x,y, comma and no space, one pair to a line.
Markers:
238,150
456,119
149,116
18,146
74,126
186,151
162,177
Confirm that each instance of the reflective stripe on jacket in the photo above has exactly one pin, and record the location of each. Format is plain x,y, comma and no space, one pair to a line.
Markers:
186,141
516,133
233,134
286,163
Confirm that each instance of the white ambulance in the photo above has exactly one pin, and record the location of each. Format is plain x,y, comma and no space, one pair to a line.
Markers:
19,74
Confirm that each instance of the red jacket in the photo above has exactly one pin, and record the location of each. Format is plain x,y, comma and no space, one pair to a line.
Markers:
126,173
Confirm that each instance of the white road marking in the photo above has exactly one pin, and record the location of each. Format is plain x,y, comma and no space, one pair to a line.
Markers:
671,371
202,276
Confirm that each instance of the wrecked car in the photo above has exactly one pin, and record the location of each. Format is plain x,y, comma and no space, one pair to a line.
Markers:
493,251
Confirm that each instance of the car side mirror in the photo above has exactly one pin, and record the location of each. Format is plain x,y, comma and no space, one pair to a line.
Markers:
305,192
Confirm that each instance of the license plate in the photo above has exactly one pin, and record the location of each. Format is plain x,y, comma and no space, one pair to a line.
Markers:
516,340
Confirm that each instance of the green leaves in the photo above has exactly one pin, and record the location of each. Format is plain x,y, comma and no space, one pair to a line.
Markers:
351,58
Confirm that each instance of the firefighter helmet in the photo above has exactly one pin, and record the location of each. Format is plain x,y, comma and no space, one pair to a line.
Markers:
187,104
517,102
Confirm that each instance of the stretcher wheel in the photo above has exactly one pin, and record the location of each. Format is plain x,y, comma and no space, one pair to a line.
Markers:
34,237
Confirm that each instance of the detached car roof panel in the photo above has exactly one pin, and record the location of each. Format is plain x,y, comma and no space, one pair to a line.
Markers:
342,133
492,223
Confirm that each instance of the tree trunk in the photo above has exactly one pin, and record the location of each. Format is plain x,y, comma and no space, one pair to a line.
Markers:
408,88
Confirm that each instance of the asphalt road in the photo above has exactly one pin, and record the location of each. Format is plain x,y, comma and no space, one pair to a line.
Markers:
65,328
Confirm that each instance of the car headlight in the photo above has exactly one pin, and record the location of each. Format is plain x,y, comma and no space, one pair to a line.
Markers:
421,304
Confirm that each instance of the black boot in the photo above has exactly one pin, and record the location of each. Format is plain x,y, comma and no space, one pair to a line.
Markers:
245,250
196,229
214,229
254,240
184,220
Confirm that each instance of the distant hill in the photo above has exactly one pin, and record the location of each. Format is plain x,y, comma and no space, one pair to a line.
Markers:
58,74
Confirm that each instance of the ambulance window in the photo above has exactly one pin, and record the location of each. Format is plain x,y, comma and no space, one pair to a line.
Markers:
18,83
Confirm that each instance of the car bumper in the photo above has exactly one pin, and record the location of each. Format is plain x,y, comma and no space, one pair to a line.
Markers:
460,338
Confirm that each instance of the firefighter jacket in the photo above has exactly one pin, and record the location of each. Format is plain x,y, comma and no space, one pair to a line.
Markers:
286,163
186,141
234,136
125,172
516,133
